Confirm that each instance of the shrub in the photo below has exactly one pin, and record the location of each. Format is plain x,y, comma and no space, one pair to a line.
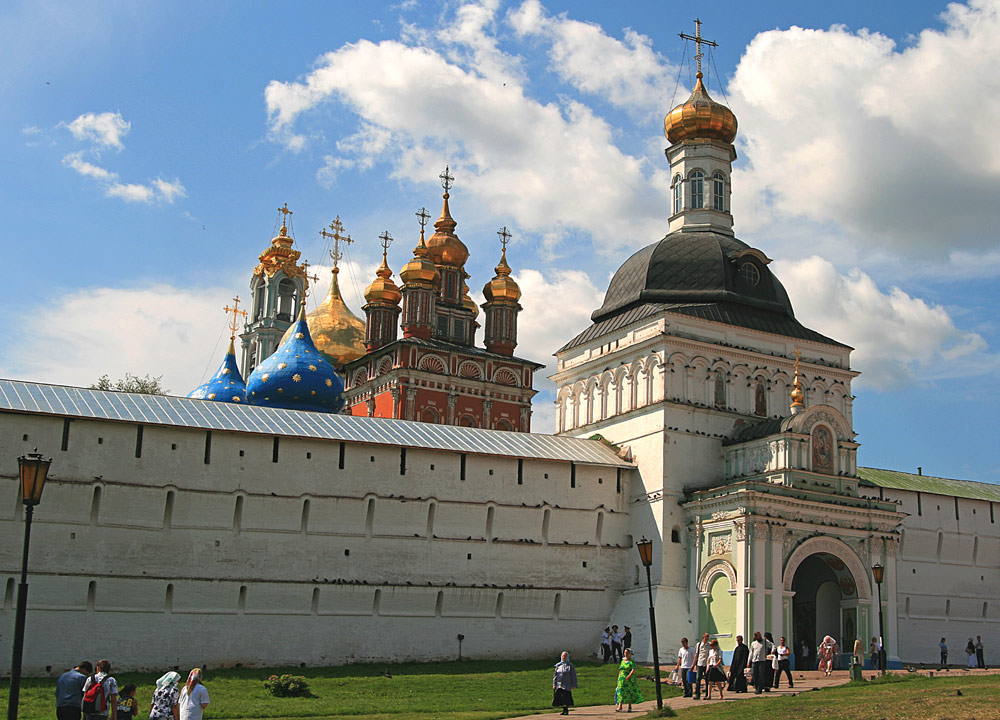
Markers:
287,686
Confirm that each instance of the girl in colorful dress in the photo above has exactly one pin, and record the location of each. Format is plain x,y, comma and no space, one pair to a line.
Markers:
716,673
627,692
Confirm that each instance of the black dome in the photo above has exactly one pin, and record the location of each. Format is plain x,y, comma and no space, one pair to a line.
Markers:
695,267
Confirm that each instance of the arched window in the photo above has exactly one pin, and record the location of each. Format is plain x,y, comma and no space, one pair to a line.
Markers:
467,421
429,415
697,189
760,400
504,424
287,296
718,192
259,291
720,390
678,194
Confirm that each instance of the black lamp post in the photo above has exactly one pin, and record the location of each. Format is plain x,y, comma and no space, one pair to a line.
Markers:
33,470
878,572
645,548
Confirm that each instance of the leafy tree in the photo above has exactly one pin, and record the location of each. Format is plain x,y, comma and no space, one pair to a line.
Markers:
131,383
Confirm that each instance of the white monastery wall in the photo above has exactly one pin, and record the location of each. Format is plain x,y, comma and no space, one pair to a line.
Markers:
948,575
222,548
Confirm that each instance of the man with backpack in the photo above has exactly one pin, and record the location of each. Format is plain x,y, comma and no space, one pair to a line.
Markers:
100,694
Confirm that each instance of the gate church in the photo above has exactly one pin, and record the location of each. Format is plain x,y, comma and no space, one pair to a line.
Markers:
220,531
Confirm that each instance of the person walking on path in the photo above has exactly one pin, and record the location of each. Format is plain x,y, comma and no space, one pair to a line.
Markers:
606,644
758,659
563,683
194,697
772,667
826,652
627,638
782,655
106,697
69,691
701,664
804,654
165,698
970,653
616,644
943,647
627,692
716,676
876,653
980,660
685,661
737,668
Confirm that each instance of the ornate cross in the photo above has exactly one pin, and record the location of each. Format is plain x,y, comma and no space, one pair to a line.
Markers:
422,217
504,237
386,241
337,237
446,179
235,310
286,212
307,277
698,41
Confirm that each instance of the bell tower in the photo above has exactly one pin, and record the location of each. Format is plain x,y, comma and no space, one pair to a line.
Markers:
276,288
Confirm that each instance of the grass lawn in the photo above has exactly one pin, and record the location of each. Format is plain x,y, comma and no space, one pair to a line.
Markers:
479,690
904,697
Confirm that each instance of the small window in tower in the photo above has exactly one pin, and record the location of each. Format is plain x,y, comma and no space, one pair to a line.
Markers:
442,329
678,193
750,274
287,300
718,192
697,189
459,329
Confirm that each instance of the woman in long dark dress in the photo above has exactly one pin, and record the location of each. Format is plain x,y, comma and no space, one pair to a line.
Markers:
563,683
737,669
716,676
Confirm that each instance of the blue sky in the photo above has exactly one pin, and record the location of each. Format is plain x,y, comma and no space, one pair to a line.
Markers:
148,146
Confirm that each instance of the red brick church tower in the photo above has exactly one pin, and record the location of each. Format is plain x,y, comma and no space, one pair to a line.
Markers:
435,373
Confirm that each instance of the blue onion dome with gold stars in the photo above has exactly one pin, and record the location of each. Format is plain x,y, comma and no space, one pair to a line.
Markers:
297,376
226,385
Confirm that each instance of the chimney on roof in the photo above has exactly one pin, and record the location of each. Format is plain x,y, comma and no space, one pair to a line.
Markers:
920,470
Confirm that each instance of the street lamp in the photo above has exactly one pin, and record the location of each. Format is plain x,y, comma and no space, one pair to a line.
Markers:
33,470
645,548
878,572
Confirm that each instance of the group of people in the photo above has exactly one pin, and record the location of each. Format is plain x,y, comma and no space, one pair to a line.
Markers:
614,643
83,694
626,691
973,654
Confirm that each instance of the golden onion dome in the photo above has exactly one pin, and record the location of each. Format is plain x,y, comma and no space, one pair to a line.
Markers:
338,334
444,247
468,303
502,286
420,269
700,118
383,289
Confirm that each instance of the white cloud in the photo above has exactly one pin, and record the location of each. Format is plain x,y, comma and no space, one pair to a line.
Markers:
105,129
896,147
524,159
627,73
898,339
130,192
76,161
169,190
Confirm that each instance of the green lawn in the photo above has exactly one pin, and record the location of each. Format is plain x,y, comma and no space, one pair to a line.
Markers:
914,698
455,691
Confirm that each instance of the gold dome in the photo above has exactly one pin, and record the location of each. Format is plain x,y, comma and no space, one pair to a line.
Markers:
383,289
700,118
336,332
444,247
502,287
468,303
420,269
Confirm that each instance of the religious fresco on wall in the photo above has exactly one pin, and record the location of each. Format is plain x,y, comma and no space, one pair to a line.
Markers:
822,450
760,400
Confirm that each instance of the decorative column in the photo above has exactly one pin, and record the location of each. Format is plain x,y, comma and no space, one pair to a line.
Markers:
487,407
411,403
452,399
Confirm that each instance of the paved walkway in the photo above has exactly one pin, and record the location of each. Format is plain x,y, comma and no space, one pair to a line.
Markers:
804,681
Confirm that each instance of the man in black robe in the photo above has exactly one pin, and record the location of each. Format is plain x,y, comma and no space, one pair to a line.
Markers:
737,676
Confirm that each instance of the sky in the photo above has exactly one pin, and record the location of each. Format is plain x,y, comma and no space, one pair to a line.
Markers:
147,147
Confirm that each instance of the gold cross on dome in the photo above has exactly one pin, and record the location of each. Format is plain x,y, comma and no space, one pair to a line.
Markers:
337,237
307,277
504,237
286,213
447,178
235,310
386,240
698,41
422,217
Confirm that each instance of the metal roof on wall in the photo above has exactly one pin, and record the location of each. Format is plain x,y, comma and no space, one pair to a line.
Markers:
63,401
897,480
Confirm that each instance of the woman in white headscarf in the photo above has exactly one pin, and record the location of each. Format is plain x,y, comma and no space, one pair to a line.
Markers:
563,683
164,705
